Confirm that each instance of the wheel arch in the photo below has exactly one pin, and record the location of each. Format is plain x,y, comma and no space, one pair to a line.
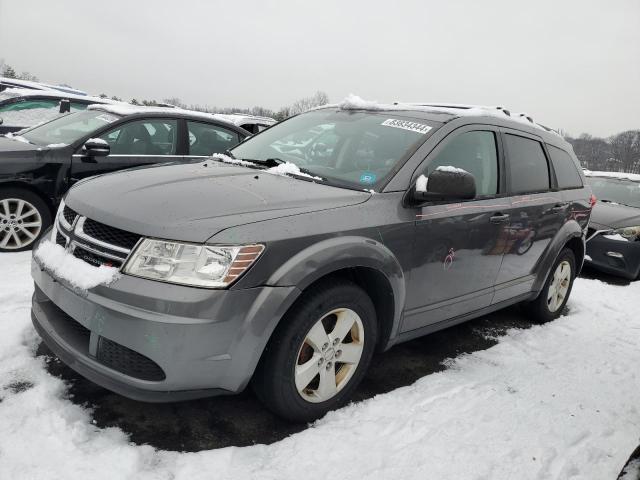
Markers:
30,188
570,236
366,262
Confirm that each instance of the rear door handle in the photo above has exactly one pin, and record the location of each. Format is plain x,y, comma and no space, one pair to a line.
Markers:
499,218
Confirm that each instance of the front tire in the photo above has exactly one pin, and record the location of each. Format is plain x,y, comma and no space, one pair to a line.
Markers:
555,294
24,217
319,352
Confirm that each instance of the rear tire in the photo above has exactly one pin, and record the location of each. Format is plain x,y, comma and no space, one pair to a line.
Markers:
24,217
319,353
554,296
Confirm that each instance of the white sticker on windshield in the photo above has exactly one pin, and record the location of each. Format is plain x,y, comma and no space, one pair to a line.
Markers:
105,117
407,125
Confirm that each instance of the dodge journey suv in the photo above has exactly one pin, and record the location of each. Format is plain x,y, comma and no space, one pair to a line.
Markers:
287,271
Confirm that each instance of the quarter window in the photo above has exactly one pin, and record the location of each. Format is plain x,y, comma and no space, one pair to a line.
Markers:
143,137
206,139
529,171
476,153
566,171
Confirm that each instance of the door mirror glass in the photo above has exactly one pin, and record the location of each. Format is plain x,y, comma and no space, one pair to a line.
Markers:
96,147
445,183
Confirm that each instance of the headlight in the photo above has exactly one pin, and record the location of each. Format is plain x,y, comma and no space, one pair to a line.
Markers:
630,233
191,264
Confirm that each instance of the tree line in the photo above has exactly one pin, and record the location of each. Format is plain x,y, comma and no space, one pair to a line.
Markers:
619,153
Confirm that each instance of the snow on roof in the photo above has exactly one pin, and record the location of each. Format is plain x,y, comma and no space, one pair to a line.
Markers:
129,109
243,119
40,86
621,175
354,102
25,92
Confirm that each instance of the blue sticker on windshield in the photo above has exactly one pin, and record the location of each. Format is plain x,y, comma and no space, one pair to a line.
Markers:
368,178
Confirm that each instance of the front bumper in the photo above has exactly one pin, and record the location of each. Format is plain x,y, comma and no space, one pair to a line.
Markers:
157,342
617,257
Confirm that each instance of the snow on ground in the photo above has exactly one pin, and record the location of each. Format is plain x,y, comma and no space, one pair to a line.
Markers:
556,401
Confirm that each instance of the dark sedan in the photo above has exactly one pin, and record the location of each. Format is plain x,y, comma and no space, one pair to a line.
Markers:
38,166
613,241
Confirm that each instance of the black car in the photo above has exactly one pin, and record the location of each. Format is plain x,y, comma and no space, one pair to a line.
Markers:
24,108
38,166
613,241
288,270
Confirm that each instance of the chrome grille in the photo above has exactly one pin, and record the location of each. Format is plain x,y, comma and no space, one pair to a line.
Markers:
93,242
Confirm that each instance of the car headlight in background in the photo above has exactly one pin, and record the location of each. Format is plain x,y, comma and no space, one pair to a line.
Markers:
191,264
630,233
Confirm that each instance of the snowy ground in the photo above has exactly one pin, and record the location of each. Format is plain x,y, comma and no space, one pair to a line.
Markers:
556,401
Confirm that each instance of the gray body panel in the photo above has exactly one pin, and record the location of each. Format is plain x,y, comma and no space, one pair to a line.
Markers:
215,338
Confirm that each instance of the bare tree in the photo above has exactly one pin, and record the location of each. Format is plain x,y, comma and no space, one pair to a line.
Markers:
318,99
625,147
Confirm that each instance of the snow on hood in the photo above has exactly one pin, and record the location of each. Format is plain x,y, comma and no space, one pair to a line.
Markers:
65,266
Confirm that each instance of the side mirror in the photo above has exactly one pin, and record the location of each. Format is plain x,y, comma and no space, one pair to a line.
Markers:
65,105
445,183
96,147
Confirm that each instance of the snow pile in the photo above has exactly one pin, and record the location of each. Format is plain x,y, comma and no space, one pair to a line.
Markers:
354,102
288,168
421,183
557,401
627,176
99,141
450,169
28,117
615,236
65,266
19,138
56,145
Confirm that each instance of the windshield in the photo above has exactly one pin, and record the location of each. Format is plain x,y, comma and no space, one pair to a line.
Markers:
625,192
69,128
353,149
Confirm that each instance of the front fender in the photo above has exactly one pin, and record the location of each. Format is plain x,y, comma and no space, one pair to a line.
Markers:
338,253
569,231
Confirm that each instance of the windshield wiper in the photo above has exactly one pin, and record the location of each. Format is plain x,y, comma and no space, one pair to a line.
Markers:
274,162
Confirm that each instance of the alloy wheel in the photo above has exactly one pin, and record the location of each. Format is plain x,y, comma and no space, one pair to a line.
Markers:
559,286
329,355
20,223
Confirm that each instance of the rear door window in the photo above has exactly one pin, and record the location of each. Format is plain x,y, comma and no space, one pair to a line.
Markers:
206,139
566,171
528,167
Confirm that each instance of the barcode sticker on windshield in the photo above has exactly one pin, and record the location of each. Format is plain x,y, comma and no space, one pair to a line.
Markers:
407,125
105,117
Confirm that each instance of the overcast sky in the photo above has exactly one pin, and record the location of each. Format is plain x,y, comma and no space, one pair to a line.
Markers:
571,64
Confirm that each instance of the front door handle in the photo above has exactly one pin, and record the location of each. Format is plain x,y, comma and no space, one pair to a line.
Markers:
499,218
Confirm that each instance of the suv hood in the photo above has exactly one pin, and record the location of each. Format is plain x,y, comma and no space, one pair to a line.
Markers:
610,215
192,202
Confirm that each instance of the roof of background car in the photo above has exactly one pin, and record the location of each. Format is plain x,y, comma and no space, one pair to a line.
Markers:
128,109
243,118
25,92
634,177
40,86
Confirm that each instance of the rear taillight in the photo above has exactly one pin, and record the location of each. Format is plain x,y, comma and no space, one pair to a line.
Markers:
592,200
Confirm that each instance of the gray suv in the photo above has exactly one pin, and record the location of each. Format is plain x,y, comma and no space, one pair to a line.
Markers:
287,263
